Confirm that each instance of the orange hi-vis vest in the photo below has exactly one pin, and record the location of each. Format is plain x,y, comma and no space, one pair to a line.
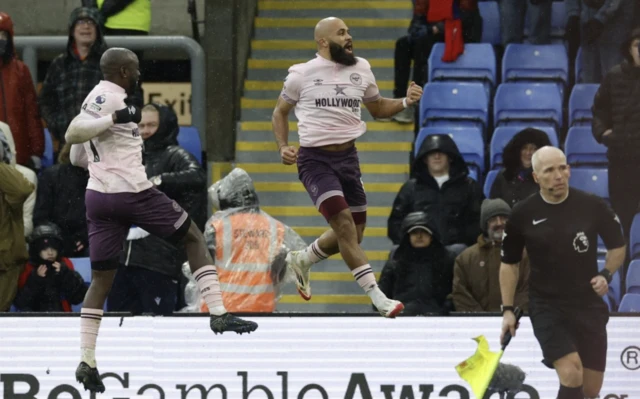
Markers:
246,245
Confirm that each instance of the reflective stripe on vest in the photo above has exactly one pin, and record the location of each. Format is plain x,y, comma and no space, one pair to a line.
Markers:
136,16
246,245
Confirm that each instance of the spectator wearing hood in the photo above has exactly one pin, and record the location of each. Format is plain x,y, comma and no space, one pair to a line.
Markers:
73,74
147,280
476,274
60,200
18,100
604,24
420,272
49,282
29,174
442,188
515,181
240,234
616,124
14,190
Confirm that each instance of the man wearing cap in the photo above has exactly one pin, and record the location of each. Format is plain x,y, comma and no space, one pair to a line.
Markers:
476,274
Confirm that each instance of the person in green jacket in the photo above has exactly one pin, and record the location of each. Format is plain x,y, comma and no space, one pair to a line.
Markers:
14,190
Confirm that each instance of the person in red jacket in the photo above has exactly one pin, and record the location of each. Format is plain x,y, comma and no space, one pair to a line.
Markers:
18,100
48,282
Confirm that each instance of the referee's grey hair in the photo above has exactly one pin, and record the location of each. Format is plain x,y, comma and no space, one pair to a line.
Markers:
535,158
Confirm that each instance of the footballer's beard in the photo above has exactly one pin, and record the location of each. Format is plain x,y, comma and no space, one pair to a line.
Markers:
340,55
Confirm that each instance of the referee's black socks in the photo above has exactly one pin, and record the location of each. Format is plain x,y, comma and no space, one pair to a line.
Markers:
570,393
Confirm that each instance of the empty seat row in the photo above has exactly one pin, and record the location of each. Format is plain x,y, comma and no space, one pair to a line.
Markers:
467,104
521,62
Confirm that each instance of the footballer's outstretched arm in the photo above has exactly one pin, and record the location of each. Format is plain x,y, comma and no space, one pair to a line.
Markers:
83,128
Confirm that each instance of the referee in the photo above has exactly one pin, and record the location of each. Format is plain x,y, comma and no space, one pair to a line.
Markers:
559,228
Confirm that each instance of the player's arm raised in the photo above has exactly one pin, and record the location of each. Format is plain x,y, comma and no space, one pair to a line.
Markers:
387,107
84,127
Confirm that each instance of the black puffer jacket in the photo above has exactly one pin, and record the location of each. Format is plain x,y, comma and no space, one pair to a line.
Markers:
184,180
60,200
616,107
455,208
57,290
420,278
515,183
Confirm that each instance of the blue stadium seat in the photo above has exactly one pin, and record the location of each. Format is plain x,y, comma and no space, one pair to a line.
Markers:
465,104
189,139
633,277
578,66
582,149
580,103
469,141
83,266
477,63
608,302
634,237
630,304
503,134
47,156
594,181
536,63
488,182
528,103
490,22
558,20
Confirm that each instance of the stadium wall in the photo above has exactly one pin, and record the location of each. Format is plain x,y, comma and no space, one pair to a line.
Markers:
288,357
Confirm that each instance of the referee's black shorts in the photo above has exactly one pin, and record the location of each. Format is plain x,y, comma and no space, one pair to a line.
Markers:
562,329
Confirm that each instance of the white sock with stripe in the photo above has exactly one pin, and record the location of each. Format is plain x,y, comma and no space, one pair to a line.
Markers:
207,280
90,320
367,280
314,254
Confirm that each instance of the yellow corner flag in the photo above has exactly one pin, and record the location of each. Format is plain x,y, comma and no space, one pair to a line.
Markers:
478,370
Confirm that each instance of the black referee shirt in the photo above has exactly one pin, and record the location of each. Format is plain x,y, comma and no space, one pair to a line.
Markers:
561,241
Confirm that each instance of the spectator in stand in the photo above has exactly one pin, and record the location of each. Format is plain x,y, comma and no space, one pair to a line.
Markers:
420,272
48,283
126,18
616,124
14,190
476,275
60,201
74,73
18,100
443,189
30,175
147,280
515,181
604,25
428,27
513,14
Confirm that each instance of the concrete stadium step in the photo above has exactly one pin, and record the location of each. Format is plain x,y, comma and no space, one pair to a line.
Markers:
309,54
334,5
310,45
281,73
268,98
318,14
363,148
293,306
373,222
399,153
338,265
393,32
277,172
302,198
369,243
277,211
379,136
